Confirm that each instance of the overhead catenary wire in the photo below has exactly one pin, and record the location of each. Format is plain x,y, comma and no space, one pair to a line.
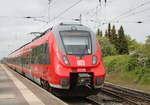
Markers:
128,14
135,13
23,17
60,14
49,5
96,12
66,10
98,8
95,8
52,1
131,10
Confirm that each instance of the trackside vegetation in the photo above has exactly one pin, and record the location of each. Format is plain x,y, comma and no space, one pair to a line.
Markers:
127,62
127,68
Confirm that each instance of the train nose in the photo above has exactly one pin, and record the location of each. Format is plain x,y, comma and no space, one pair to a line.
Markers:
81,80
84,79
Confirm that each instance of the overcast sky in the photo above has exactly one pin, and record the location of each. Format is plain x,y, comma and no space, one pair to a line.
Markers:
14,29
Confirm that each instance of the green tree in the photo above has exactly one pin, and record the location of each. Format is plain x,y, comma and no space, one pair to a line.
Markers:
106,33
133,45
109,31
147,50
99,33
123,45
148,40
108,49
114,37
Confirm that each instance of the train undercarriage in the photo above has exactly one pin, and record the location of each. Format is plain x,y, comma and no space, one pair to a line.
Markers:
80,85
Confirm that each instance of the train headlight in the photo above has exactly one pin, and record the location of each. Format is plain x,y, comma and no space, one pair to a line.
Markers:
94,60
65,60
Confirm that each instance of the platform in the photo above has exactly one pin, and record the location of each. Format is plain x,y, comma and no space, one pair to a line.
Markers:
17,90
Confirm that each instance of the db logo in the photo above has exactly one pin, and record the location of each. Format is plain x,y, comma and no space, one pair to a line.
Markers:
81,62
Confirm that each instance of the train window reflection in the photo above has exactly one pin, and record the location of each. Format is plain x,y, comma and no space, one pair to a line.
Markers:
76,44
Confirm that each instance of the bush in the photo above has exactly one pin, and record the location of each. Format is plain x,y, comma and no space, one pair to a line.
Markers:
107,48
128,68
132,63
116,63
145,79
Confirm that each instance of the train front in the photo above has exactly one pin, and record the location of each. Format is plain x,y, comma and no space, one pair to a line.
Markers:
78,63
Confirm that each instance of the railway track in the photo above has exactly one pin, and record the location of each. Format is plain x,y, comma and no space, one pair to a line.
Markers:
92,100
80,101
131,97
119,96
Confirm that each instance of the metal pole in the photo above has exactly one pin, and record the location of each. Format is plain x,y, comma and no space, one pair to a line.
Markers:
80,18
49,2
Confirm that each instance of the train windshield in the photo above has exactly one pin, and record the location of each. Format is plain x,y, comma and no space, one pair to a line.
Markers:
77,43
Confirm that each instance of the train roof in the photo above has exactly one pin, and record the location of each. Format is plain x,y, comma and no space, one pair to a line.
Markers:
49,29
57,28
70,26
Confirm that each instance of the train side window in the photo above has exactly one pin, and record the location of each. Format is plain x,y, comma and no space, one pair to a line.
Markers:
44,54
47,54
33,55
40,54
36,56
44,57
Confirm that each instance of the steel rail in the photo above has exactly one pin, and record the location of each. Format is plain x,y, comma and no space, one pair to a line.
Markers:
128,95
121,97
132,93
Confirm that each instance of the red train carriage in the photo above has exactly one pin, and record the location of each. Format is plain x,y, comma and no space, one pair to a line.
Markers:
65,60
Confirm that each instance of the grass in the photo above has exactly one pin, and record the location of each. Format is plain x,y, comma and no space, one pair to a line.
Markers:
123,70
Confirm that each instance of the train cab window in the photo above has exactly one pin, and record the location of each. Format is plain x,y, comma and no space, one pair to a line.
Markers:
77,43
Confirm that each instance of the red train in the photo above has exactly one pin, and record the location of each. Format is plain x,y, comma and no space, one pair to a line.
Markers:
65,60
